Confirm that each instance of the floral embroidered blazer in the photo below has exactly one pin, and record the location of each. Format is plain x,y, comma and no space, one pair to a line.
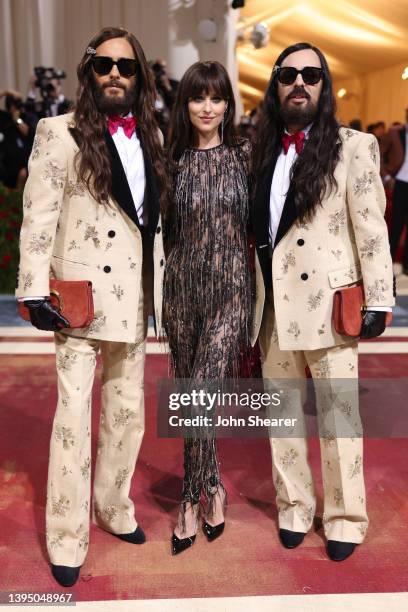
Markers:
67,235
346,242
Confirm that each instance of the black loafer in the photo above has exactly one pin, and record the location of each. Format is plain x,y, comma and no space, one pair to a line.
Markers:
291,539
338,551
64,575
136,537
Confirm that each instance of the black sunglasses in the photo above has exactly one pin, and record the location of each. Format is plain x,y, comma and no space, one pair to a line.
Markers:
103,65
288,75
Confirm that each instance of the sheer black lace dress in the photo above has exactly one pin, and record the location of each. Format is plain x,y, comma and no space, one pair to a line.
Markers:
207,290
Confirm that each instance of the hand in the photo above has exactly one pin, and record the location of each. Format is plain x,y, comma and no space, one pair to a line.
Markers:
373,324
44,316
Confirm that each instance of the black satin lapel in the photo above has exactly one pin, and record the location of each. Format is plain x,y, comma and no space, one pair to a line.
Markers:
151,197
120,187
288,218
260,208
403,139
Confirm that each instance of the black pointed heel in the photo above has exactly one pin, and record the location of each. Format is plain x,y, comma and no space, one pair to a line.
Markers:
179,545
213,532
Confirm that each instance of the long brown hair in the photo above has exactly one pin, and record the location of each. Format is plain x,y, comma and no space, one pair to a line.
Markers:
201,77
92,160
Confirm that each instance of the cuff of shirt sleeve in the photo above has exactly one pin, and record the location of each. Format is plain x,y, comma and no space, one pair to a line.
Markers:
26,299
380,308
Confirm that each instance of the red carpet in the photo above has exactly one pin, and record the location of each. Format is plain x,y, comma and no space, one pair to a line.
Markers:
247,560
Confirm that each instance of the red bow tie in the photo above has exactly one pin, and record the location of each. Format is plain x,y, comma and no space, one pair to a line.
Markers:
127,123
298,139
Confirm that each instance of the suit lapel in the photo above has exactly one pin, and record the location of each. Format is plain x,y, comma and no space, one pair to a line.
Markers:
403,139
120,186
151,195
288,217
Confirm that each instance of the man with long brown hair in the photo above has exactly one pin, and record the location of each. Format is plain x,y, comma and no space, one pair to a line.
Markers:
318,219
92,212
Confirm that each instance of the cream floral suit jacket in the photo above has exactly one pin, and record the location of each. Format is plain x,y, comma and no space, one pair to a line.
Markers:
67,235
347,241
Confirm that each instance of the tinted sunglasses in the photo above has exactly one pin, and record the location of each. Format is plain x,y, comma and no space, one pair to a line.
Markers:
288,75
103,65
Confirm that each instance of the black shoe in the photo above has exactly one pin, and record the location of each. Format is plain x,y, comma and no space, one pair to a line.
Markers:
291,539
137,537
213,532
338,551
65,576
177,545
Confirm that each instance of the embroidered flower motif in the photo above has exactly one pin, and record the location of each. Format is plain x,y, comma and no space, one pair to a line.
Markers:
119,445
373,151
57,541
108,246
84,542
284,365
355,468
27,279
278,483
346,407
328,438
364,213
66,435
321,330
363,184
98,322
288,459
65,361
75,189
27,202
65,471
376,292
371,247
61,506
39,244
315,301
73,246
50,135
110,513
288,260
323,368
352,273
363,529
337,254
338,496
294,329
124,324
118,292
123,417
307,515
54,174
86,468
92,233
337,221
78,223
36,147
121,477
133,350
349,133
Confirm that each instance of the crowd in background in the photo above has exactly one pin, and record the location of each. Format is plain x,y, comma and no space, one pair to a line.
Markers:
45,98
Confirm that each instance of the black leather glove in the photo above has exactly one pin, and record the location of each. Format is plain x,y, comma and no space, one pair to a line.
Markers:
373,324
43,315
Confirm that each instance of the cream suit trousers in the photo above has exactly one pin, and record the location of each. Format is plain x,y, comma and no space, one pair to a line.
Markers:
335,376
120,435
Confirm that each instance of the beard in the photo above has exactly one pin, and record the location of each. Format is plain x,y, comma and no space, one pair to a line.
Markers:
298,115
113,105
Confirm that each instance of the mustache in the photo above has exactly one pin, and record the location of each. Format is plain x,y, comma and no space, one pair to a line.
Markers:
297,91
113,83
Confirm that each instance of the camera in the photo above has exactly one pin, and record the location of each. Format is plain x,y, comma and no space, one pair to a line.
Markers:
43,77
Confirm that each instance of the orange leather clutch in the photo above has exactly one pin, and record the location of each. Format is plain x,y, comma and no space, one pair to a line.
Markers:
348,305
73,299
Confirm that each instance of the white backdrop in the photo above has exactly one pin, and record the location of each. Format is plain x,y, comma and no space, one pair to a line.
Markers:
56,33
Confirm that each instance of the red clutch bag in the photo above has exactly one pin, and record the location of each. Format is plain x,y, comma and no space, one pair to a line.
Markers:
73,299
347,307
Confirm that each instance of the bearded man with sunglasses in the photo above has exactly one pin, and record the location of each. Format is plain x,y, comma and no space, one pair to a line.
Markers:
318,223
92,212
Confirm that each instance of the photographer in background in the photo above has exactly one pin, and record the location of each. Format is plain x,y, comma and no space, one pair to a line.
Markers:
166,93
17,128
52,102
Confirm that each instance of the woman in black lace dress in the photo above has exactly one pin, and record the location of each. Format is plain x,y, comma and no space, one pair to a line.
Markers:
207,294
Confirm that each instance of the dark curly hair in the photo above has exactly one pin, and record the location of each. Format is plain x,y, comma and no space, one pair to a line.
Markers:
92,161
313,172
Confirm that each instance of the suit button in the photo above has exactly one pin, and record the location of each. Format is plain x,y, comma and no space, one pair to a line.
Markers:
111,233
301,242
158,230
107,269
162,262
304,276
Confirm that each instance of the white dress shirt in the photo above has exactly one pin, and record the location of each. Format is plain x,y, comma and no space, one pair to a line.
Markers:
279,189
131,156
